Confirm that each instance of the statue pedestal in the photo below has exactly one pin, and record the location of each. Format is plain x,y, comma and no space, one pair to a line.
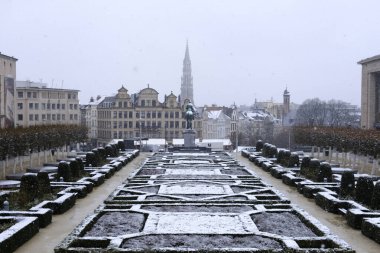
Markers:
189,138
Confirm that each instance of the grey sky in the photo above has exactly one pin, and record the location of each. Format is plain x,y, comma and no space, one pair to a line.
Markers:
240,50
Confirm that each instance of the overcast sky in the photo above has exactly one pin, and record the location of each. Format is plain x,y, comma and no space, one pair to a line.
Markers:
240,50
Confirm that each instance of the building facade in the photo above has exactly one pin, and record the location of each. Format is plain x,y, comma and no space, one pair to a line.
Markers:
216,124
91,118
38,105
187,80
7,90
126,116
370,92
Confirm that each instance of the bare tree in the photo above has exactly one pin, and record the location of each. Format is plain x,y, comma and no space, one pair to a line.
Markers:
316,112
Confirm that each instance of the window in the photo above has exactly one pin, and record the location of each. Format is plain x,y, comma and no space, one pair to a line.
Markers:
142,103
69,96
43,116
29,94
58,116
120,115
20,94
36,106
75,107
115,114
30,117
31,106
130,123
36,117
63,117
171,124
130,114
137,124
48,116
143,115
125,115
125,104
159,124
176,124
153,115
19,117
125,124
53,117
137,115
176,115
71,106
63,106
120,104
114,124
148,115
159,115
71,117
166,115
120,124
171,115
58,106
43,106
48,106
53,106
154,103
19,106
34,94
75,116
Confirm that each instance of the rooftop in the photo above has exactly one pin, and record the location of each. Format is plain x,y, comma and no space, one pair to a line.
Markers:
370,59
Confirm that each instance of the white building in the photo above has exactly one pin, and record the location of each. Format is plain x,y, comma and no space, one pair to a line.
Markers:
38,105
215,124
91,117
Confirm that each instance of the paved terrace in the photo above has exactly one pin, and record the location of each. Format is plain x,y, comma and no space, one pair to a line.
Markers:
193,201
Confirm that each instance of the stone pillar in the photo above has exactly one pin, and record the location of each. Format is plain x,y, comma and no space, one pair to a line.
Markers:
189,138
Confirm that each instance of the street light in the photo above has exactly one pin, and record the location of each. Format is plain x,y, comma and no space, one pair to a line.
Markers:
140,131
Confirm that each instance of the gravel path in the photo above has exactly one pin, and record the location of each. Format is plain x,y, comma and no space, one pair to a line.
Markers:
336,223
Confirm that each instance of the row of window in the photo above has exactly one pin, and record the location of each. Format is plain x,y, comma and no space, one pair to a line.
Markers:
47,117
55,95
141,114
47,106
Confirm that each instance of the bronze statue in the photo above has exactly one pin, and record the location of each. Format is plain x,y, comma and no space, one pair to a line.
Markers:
189,115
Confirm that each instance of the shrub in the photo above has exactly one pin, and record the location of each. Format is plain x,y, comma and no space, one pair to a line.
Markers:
280,156
75,169
43,181
375,202
347,184
325,172
364,190
259,145
121,145
64,171
80,164
91,159
294,160
28,188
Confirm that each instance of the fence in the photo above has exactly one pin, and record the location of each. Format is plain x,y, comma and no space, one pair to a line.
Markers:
363,164
20,164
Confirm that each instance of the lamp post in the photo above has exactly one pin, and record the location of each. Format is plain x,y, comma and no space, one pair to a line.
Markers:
140,131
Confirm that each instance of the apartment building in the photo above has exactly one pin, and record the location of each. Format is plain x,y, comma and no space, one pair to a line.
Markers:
36,104
7,90
126,116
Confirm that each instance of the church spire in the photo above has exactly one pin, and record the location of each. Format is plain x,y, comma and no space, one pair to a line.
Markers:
187,78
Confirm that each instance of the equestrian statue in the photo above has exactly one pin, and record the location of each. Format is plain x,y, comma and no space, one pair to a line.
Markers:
189,115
